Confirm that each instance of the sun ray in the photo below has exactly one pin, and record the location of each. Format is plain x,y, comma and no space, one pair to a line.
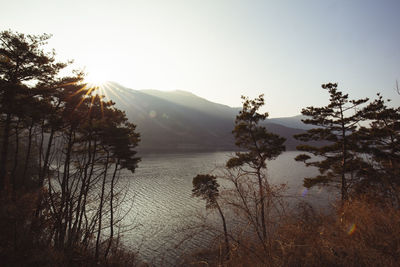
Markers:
89,91
101,107
93,98
80,90
114,92
104,92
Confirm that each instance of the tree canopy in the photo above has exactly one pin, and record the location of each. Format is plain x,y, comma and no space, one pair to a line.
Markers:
336,161
60,143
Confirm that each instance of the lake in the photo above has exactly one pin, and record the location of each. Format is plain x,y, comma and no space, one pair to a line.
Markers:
159,206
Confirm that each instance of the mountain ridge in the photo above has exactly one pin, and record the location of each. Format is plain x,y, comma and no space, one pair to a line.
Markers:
180,121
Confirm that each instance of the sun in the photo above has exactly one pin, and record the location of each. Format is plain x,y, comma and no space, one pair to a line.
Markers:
96,79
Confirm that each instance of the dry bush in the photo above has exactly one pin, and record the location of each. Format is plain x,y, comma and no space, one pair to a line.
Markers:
362,232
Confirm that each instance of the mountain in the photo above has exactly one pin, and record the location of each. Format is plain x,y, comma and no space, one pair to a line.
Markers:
192,101
292,122
180,121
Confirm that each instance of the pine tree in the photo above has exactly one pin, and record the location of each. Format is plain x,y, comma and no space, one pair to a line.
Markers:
339,163
23,63
259,145
381,142
206,187
59,135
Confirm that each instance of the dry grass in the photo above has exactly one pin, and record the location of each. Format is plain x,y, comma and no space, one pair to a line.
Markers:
363,232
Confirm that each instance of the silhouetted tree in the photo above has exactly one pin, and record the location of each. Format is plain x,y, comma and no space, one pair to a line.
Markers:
23,63
260,145
381,142
206,187
58,136
336,124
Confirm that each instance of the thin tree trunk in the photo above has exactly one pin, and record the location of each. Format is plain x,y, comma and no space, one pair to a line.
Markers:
28,153
344,155
262,202
75,229
44,169
87,187
15,164
64,206
4,152
253,220
227,247
41,149
101,208
111,210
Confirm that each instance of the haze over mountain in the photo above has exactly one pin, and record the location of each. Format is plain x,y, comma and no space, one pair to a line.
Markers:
179,121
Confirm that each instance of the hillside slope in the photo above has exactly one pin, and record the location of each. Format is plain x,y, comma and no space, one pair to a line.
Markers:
180,121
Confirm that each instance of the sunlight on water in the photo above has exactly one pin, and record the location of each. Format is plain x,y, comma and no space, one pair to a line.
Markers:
159,194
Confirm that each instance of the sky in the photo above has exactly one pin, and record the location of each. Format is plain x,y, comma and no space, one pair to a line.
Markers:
222,49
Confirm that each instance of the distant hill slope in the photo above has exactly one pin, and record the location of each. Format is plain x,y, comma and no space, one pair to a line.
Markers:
180,121
192,101
292,122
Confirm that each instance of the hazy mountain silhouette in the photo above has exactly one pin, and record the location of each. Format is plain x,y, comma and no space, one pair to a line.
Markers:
292,122
180,121
192,101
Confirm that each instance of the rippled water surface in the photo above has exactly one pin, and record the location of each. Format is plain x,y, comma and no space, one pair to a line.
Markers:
161,206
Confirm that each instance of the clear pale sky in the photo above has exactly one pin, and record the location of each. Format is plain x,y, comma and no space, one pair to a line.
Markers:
222,49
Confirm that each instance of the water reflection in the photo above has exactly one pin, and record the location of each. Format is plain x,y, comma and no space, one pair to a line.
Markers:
162,207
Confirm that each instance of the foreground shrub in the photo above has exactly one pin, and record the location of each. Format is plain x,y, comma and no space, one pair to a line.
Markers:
362,232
